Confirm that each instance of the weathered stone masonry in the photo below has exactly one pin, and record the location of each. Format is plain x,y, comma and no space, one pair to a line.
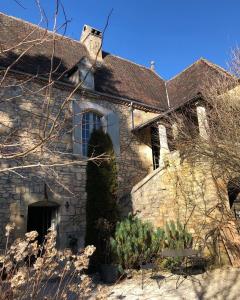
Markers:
18,193
182,190
129,98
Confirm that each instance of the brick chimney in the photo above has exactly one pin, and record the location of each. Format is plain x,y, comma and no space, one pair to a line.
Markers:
92,39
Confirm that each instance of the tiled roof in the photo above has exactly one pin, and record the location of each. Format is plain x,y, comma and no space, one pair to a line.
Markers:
120,77
19,36
193,80
114,76
191,85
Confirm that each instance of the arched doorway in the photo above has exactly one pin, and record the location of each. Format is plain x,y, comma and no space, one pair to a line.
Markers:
234,197
41,216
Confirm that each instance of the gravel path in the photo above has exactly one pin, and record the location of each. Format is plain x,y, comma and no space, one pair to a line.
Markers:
221,284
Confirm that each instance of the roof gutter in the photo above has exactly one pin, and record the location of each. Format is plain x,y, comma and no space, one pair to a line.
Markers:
168,102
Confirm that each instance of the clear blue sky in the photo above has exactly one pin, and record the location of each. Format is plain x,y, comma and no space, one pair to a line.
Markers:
173,33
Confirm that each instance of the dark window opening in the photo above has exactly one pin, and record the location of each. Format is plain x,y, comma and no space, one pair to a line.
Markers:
155,147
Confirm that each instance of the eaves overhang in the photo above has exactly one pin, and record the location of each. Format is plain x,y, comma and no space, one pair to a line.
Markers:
168,112
138,104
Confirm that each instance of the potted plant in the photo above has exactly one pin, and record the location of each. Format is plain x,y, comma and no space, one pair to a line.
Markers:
108,268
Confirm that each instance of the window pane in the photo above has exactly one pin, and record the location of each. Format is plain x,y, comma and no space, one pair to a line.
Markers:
90,121
96,121
85,133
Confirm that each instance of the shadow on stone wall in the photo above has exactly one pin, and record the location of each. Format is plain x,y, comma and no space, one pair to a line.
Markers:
23,111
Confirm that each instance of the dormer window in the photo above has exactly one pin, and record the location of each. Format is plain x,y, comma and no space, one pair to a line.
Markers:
82,74
86,73
90,121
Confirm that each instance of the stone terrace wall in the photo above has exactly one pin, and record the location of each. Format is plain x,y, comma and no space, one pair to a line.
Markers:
180,191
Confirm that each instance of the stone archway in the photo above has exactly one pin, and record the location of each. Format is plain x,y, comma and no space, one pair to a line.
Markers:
41,216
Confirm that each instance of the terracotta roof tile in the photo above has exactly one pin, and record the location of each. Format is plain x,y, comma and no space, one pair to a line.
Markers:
115,75
193,80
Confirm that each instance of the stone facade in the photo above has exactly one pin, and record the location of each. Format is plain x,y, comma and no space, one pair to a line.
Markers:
62,186
124,96
181,191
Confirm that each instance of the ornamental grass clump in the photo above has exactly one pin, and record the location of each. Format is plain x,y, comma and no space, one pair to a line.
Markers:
29,270
135,242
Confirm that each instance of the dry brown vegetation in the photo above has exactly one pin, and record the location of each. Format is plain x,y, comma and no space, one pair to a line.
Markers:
29,270
222,142
214,144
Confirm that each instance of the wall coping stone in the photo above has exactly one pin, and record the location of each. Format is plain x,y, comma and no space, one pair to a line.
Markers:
146,179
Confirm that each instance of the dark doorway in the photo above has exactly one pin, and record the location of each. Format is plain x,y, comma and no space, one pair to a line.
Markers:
234,197
41,218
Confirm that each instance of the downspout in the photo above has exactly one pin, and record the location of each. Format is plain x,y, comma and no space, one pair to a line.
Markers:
132,115
168,102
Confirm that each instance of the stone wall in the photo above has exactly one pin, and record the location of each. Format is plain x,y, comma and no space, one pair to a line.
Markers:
17,193
183,191
135,160
22,112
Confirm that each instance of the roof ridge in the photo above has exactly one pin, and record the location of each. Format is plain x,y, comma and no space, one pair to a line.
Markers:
215,66
42,28
185,69
158,75
134,63
207,62
76,41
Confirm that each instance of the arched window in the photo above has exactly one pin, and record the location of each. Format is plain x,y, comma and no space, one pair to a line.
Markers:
90,121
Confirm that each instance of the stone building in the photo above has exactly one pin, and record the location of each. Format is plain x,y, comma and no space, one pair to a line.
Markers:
88,88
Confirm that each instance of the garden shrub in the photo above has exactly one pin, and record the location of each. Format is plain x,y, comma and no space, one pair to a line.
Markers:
27,267
177,236
101,190
136,242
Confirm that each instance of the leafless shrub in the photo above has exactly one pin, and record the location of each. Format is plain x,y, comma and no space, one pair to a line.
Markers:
36,136
221,145
208,138
30,270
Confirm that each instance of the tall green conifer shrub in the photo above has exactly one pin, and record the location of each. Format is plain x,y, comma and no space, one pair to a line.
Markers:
101,189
